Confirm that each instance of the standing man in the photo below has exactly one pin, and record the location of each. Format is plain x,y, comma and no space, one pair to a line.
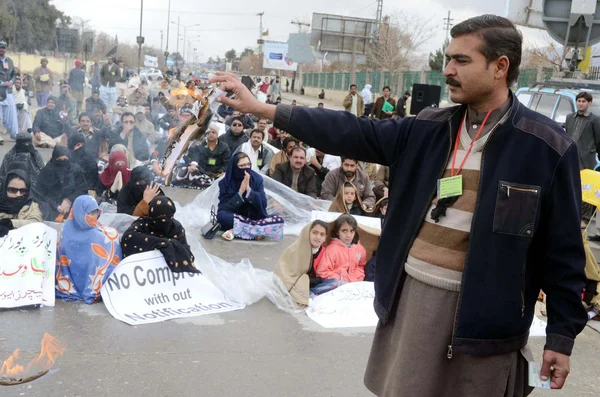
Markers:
94,75
109,75
458,277
367,98
584,128
354,103
21,100
275,88
259,154
77,82
296,175
44,82
384,105
8,109
401,105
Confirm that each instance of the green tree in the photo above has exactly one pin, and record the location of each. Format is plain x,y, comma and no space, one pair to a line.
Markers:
231,55
211,61
176,56
30,25
247,51
436,60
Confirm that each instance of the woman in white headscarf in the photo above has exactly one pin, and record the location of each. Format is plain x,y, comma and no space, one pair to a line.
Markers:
367,99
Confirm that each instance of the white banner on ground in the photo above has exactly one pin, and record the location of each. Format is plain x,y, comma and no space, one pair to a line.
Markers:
350,305
142,290
27,266
150,61
276,57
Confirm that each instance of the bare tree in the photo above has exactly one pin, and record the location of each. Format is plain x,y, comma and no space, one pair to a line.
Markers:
547,55
401,36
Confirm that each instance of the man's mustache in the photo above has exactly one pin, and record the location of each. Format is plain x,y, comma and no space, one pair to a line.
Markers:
454,83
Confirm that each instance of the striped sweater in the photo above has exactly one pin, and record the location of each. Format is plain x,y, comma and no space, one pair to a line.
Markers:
439,252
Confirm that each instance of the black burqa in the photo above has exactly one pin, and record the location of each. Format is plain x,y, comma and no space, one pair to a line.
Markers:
23,152
13,205
159,231
86,161
58,180
133,191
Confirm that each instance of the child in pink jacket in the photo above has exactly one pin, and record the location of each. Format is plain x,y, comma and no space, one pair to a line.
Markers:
345,258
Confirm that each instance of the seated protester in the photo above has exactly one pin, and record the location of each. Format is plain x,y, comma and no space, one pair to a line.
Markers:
87,253
278,143
296,175
94,102
155,160
60,182
157,110
138,98
345,258
66,104
135,197
17,207
132,138
296,267
348,201
348,172
321,163
120,109
235,137
87,162
246,119
273,135
186,118
22,152
143,124
283,155
162,98
96,141
382,181
259,154
225,111
261,125
115,176
242,210
160,231
204,162
48,127
169,120
24,119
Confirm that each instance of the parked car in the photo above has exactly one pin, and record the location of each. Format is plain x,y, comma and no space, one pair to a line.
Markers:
556,100
151,74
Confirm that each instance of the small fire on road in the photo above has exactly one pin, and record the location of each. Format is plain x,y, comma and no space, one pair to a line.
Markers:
12,373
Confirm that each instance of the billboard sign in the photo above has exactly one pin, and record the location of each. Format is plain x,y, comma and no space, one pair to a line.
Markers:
150,61
276,57
299,49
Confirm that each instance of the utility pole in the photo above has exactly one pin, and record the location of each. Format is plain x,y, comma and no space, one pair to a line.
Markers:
178,34
140,38
161,40
260,41
379,13
168,29
448,26
299,68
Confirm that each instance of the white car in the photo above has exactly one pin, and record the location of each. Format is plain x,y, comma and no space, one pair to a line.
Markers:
152,74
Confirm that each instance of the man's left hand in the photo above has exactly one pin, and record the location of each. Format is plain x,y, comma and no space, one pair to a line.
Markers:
556,366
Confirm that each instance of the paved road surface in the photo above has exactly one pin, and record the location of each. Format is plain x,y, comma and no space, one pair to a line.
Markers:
259,351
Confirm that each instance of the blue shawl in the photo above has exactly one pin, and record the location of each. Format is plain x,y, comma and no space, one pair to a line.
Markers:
87,254
229,186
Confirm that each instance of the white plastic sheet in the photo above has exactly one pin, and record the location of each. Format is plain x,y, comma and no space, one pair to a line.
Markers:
293,207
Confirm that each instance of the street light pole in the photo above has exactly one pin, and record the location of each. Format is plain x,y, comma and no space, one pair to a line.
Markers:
178,35
168,26
140,39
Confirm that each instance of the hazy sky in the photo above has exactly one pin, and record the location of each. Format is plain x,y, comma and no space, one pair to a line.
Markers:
223,25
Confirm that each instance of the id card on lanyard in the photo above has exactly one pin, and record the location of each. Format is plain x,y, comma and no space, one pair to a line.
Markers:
452,186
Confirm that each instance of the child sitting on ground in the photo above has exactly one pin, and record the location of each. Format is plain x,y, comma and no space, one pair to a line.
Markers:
351,201
345,257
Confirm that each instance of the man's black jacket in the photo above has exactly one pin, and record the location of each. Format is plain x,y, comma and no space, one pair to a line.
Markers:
519,242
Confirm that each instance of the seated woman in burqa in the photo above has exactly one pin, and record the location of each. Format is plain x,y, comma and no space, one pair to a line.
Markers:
242,208
115,176
60,182
89,165
23,152
87,253
17,208
136,195
160,231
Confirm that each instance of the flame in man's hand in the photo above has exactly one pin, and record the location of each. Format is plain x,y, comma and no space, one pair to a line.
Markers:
51,348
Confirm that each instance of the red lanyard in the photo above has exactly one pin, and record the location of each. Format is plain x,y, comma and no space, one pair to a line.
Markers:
470,147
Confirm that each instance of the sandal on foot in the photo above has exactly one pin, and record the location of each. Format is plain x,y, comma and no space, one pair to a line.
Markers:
228,235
